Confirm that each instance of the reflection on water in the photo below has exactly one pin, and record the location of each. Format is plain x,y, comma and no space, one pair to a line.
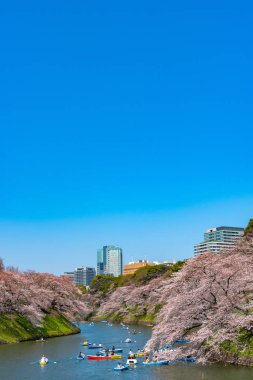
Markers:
19,361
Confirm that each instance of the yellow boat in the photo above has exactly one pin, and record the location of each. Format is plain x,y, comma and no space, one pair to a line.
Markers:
43,363
140,354
114,357
85,343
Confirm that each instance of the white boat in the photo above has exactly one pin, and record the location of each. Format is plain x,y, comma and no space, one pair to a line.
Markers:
132,361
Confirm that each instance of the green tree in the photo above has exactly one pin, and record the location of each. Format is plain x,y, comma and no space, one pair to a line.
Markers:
249,229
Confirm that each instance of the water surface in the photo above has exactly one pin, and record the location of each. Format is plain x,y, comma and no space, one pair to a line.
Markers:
19,361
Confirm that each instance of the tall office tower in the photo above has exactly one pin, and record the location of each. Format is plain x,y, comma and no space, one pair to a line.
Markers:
114,261
109,260
219,238
84,275
101,260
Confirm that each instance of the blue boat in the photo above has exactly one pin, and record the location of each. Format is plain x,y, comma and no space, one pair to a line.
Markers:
116,351
182,341
123,368
92,347
189,359
162,362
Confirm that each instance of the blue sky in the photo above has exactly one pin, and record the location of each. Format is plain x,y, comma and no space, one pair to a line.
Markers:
126,123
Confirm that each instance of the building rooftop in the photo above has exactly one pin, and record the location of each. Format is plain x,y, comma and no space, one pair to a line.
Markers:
225,228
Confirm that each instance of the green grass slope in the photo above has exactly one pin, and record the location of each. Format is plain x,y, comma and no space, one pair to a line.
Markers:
16,328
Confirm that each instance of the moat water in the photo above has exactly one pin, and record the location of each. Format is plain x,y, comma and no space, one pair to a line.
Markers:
20,361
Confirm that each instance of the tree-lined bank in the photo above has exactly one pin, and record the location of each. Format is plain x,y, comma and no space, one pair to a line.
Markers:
33,305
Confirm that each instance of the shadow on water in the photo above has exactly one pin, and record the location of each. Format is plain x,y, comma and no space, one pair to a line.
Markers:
20,361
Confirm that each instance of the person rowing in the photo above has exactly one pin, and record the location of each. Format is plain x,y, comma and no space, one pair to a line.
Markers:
81,355
43,359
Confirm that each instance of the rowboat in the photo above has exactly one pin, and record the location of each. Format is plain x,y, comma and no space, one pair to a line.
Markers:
93,347
95,357
122,368
114,357
80,357
161,362
118,350
43,362
189,359
132,361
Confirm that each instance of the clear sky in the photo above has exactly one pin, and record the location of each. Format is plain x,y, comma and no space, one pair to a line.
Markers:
126,123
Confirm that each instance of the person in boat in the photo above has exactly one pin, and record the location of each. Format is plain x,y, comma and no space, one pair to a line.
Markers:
81,355
113,348
131,353
120,365
44,359
42,339
94,344
100,345
155,358
107,351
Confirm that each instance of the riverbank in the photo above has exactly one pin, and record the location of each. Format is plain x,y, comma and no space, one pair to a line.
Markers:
16,328
35,305
149,322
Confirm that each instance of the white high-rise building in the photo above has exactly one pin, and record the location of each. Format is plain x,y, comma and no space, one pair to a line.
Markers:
109,261
114,261
219,238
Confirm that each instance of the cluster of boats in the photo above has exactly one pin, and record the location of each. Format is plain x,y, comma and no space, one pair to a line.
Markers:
116,354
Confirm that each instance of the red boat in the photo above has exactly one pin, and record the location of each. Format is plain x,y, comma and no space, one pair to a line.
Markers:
95,357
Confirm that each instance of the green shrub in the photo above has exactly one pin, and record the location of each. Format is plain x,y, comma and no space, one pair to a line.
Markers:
104,283
249,229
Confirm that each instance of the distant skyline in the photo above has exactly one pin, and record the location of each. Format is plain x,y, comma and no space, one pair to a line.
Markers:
122,123
59,246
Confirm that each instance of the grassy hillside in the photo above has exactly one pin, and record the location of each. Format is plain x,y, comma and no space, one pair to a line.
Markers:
16,327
